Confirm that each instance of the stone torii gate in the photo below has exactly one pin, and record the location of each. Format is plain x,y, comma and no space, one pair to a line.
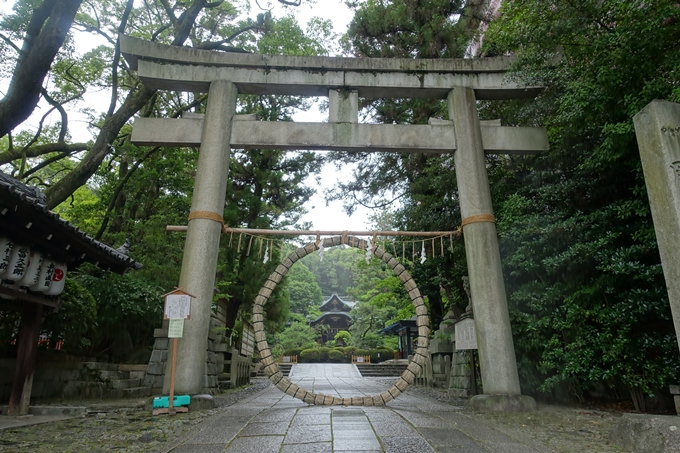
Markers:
226,75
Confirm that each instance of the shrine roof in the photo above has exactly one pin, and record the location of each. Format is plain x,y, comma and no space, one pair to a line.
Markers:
336,303
25,217
329,314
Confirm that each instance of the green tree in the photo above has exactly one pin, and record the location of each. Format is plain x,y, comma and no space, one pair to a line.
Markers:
337,270
297,335
303,290
44,32
587,293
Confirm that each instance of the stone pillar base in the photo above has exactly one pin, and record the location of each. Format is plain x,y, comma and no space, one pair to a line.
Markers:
201,402
502,403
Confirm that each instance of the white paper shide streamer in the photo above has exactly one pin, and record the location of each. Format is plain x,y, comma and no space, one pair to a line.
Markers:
322,250
422,254
369,251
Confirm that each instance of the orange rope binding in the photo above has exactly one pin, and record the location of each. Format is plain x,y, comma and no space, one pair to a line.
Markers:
478,218
208,215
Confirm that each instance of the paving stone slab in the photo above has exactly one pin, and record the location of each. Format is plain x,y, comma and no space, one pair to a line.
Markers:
355,426
398,429
406,445
320,447
347,444
308,434
255,444
364,434
309,419
213,434
451,439
264,429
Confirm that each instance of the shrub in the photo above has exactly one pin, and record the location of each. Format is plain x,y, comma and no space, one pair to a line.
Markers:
314,355
293,351
385,354
75,321
349,350
335,356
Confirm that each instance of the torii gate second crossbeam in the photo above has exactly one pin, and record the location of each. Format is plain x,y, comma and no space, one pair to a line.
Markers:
343,80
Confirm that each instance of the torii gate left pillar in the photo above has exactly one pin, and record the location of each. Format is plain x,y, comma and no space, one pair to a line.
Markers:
197,276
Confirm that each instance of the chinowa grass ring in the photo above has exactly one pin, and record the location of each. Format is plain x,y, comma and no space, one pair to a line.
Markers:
271,368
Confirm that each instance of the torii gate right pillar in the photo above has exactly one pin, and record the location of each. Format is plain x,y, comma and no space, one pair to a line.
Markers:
492,321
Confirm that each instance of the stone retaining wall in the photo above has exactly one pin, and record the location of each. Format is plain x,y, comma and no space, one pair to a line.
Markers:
217,348
68,377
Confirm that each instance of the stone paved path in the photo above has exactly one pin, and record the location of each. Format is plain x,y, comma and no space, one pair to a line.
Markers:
274,422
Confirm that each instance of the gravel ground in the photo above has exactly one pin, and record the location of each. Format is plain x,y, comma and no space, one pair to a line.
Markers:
553,429
120,425
126,425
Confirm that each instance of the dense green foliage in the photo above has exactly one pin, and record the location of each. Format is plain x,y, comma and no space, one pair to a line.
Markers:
297,335
115,190
337,270
341,355
75,321
304,291
587,290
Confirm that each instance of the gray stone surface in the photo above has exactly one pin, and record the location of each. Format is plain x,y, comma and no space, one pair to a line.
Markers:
339,136
492,321
308,434
199,262
255,444
201,402
502,403
319,447
406,445
314,76
451,438
657,128
643,433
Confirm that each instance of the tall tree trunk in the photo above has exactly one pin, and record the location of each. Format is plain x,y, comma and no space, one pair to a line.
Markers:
45,35
135,100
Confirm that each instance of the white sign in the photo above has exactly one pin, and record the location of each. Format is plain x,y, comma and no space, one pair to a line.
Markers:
176,328
360,360
177,306
466,336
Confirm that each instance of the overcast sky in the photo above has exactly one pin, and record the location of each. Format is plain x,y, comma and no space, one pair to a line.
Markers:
324,217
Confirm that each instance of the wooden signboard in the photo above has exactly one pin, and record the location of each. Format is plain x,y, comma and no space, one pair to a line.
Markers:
177,309
466,336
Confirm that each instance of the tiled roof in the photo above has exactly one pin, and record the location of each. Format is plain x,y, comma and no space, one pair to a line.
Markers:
24,217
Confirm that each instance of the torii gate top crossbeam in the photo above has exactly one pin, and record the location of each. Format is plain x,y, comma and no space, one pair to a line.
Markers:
186,69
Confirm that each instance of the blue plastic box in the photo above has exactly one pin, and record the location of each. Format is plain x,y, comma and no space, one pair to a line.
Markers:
164,401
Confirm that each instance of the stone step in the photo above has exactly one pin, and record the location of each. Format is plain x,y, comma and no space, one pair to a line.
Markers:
125,383
106,375
377,370
136,392
101,366
133,368
138,374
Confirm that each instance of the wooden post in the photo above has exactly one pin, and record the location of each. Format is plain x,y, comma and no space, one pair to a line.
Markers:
171,409
473,375
27,351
